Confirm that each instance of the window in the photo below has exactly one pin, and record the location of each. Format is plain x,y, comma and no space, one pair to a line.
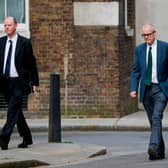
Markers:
18,9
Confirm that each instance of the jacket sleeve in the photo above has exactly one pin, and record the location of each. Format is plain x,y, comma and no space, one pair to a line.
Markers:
32,66
135,74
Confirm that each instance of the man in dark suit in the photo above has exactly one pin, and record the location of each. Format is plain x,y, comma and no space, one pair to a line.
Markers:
19,76
150,71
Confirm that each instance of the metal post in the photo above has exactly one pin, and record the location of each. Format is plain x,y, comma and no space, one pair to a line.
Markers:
54,115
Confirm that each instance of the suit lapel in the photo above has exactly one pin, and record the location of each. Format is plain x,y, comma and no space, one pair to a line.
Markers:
18,45
2,50
158,52
144,56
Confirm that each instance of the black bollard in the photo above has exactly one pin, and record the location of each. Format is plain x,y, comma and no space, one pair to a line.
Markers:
54,115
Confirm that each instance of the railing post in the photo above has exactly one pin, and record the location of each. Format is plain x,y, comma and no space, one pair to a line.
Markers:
54,114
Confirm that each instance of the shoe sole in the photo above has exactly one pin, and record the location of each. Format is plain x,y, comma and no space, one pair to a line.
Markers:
153,154
24,146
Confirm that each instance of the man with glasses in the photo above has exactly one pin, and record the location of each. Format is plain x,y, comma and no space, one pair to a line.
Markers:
150,72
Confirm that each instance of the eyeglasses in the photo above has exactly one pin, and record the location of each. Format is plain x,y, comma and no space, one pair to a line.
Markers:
147,35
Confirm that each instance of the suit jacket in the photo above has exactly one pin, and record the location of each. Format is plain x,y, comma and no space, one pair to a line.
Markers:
24,61
139,68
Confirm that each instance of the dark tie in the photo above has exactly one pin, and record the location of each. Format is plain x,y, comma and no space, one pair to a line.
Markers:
149,68
8,61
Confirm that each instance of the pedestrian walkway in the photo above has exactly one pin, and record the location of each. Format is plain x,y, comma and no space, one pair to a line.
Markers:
135,121
53,154
66,153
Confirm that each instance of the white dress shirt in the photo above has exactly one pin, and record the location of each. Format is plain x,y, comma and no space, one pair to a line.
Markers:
13,71
154,61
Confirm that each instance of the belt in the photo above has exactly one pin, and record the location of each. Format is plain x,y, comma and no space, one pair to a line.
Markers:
154,83
10,78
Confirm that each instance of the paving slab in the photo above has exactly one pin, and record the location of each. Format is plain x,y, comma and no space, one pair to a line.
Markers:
138,121
55,154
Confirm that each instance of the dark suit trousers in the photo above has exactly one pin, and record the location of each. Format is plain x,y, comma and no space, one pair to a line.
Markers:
154,103
14,97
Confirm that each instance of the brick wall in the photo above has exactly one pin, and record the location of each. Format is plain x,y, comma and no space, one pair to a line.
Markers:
51,32
126,52
95,59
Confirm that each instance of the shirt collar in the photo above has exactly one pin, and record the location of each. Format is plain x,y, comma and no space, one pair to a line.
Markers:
153,45
13,39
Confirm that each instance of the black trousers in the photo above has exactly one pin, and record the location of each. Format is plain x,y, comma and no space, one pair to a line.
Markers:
13,93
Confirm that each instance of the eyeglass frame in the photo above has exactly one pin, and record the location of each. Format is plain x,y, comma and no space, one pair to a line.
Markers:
148,34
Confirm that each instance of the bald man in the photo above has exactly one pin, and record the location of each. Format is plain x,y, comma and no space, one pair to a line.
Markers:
19,77
150,73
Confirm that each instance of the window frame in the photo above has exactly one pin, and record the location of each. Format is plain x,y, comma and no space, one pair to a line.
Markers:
22,28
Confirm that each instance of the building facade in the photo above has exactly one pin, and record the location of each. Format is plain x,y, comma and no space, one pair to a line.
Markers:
154,12
90,44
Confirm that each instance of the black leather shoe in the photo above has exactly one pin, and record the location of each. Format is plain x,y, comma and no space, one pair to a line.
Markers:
154,155
162,156
25,143
3,144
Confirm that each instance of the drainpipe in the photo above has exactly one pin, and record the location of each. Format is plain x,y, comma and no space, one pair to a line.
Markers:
128,29
66,80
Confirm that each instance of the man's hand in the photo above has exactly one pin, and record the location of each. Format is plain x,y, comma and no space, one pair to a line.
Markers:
133,94
34,88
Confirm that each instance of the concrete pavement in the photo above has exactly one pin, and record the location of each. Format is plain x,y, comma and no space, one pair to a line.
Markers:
51,154
131,122
57,154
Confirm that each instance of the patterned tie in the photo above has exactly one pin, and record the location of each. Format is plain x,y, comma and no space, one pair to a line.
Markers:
8,61
149,68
